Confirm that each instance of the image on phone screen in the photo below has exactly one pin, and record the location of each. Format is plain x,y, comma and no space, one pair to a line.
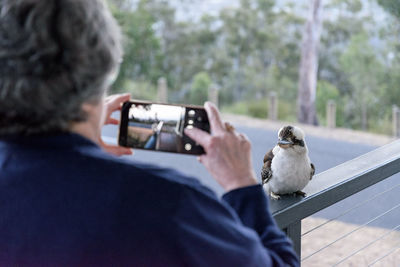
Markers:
160,127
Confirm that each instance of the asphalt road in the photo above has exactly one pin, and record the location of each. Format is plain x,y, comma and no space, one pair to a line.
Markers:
324,153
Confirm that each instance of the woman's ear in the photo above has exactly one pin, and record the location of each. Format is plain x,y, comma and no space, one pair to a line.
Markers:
94,112
91,127
89,108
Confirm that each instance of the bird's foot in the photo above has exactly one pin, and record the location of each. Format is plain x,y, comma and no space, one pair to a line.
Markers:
300,193
275,196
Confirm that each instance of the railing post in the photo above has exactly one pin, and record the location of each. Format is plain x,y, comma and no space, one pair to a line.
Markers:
273,106
331,114
293,231
396,121
162,94
213,94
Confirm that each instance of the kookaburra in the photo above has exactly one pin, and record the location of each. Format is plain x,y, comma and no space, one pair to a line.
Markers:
287,168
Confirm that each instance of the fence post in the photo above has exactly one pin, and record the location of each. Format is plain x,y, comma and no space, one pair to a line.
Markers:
213,94
396,121
293,231
273,106
162,93
331,114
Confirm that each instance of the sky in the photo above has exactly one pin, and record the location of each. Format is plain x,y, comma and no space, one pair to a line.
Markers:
157,113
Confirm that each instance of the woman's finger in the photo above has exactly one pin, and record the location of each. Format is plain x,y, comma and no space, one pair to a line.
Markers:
229,127
216,125
114,102
117,150
244,136
199,136
112,121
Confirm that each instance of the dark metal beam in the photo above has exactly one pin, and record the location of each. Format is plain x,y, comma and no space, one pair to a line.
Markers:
293,231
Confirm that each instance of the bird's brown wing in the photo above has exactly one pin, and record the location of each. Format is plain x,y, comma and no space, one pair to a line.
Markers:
312,171
266,171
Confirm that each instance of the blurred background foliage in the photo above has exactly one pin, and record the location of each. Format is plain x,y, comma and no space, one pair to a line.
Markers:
252,47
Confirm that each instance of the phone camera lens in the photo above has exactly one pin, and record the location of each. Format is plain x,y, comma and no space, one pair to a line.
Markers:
192,113
188,147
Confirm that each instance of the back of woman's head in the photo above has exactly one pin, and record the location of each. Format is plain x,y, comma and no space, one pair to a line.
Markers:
55,55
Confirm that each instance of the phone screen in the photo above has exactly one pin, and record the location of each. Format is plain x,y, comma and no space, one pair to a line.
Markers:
160,127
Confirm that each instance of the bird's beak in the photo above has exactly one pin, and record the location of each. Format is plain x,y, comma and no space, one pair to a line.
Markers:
285,143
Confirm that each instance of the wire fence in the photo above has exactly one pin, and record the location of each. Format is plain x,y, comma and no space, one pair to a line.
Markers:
333,242
352,209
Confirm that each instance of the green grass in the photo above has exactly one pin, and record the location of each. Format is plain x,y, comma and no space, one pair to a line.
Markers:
259,109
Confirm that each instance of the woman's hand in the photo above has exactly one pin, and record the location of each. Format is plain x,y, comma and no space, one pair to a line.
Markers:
228,153
113,103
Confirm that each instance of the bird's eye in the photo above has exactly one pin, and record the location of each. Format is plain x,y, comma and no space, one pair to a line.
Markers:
298,142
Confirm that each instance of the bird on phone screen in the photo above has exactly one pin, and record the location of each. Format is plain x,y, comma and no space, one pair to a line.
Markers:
287,168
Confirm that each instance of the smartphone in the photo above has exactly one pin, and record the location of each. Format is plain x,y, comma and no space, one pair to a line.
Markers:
160,127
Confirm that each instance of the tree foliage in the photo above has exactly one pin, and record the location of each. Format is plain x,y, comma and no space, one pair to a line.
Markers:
253,48
199,90
392,6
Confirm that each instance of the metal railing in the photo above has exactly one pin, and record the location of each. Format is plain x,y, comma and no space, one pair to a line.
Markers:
334,185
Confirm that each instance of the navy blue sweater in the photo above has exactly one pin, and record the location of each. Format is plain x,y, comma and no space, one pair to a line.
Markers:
63,201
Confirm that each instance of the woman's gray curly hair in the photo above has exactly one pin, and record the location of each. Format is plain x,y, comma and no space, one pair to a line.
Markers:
55,55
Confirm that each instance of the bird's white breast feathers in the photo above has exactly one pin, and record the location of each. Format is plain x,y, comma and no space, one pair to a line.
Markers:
290,171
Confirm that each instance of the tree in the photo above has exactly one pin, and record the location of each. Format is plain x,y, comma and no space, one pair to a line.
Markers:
261,58
244,51
309,65
360,63
392,6
335,38
199,90
391,33
142,53
326,92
